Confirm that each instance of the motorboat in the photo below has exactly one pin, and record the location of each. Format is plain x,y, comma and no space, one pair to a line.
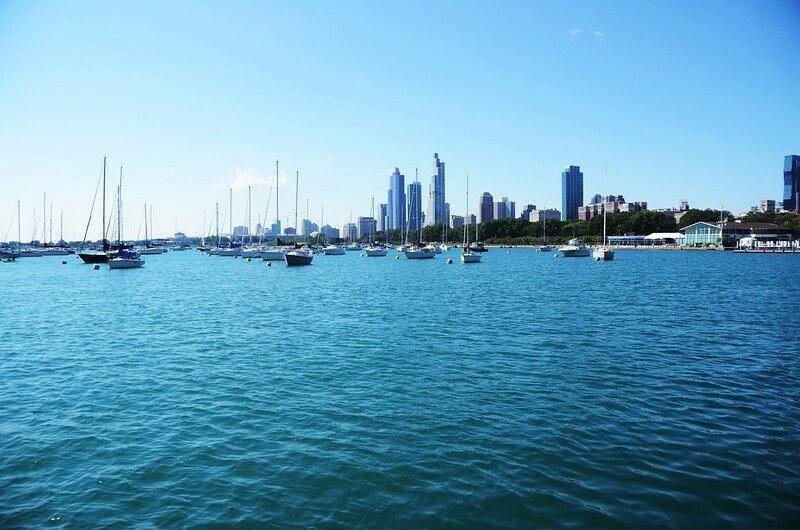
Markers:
333,250
425,252
352,247
477,246
373,251
126,259
575,248
251,253
544,248
272,254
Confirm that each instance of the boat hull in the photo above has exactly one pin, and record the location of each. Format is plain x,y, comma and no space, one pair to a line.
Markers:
470,258
376,252
333,251
125,263
603,254
272,255
419,254
93,257
575,252
294,259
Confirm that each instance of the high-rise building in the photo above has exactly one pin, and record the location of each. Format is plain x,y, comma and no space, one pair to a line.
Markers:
397,201
436,212
383,212
456,221
791,182
504,209
767,206
329,232
350,231
486,207
537,216
571,192
307,227
526,212
367,226
414,206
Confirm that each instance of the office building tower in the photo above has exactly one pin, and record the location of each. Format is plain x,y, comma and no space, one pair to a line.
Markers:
383,211
350,231
571,192
486,207
456,221
437,211
504,209
414,206
791,183
397,201
367,226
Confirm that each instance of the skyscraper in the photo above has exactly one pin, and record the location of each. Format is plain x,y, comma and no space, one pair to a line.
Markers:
486,207
791,182
571,192
397,201
436,213
414,206
383,212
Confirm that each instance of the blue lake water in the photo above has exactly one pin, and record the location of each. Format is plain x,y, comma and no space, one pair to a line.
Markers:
660,390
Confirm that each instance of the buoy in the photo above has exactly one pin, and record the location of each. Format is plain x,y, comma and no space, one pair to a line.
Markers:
63,262
97,267
449,261
362,254
269,264
249,259
397,257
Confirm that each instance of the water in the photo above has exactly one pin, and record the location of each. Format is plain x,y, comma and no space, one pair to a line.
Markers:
659,390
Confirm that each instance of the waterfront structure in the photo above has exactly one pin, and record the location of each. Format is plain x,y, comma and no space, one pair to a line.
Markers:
383,212
504,209
397,201
571,192
791,183
437,211
486,207
415,206
549,214
367,226
728,233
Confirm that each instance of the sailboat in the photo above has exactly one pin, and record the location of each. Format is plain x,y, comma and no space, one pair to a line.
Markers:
544,247
300,254
149,249
468,255
125,258
372,249
8,253
604,252
274,253
98,256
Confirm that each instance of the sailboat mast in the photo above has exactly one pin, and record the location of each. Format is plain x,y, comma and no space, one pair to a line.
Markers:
230,211
249,216
605,201
19,227
296,198
277,203
50,237
466,217
145,225
104,204
216,207
119,211
61,230
44,220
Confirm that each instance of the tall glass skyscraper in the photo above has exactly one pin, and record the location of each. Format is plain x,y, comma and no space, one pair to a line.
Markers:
436,212
486,207
397,201
571,192
414,206
791,182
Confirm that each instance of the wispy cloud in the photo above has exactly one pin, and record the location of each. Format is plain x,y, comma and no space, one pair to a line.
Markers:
574,32
597,34
250,176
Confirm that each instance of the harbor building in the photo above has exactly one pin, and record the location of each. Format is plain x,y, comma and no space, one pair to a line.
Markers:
791,183
728,233
571,192
436,212
397,201
486,207
415,206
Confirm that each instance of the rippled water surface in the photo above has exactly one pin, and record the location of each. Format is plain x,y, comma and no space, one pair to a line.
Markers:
658,390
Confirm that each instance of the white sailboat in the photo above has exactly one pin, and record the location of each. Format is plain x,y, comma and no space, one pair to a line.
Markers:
467,255
604,252
300,254
372,250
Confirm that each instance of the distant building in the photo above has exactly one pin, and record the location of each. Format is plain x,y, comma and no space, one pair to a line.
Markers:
767,206
791,182
397,201
503,209
436,212
456,221
350,231
597,199
240,231
414,206
571,192
549,214
307,227
383,210
329,232
526,212
730,233
366,226
486,207
289,231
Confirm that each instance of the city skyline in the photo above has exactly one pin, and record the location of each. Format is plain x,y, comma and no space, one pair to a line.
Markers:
192,100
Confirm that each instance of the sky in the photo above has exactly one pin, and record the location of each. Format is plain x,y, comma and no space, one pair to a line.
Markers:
684,100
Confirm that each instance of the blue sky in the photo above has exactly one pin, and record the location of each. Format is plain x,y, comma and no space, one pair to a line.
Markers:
681,100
